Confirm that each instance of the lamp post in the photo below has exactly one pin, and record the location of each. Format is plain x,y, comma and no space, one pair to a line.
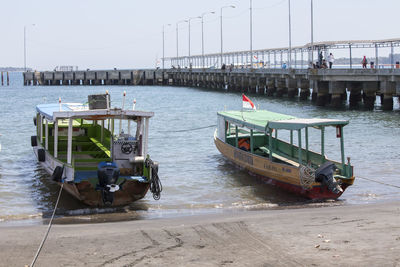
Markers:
25,45
177,39
163,44
312,32
251,34
189,19
202,34
221,30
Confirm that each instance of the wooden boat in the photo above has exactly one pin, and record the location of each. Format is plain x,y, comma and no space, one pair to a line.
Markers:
77,144
250,140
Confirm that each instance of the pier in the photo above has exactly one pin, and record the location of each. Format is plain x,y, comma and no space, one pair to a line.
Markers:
261,72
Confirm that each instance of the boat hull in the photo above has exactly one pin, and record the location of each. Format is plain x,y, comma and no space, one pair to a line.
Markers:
84,189
281,175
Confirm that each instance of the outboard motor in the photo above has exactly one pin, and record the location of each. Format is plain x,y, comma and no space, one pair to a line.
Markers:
108,174
324,175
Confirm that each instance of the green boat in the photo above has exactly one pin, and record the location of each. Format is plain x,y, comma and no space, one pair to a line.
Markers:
79,145
250,140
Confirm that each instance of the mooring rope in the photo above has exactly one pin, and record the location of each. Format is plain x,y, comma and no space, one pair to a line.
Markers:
48,228
192,129
379,182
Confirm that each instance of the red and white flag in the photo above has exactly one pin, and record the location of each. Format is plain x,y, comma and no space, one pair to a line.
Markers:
247,103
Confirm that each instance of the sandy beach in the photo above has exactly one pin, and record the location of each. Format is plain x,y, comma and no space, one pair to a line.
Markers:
356,235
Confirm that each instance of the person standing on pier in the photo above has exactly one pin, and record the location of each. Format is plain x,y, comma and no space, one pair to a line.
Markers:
331,59
364,62
320,58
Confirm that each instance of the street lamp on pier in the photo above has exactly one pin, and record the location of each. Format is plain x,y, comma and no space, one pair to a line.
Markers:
202,34
189,19
177,38
290,40
221,30
25,26
163,44
251,33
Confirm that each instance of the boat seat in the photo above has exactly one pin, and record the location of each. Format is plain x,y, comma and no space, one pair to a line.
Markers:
100,145
281,158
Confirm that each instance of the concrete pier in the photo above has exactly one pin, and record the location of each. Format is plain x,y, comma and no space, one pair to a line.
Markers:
329,86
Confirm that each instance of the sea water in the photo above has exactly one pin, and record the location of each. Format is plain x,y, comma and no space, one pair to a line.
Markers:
196,178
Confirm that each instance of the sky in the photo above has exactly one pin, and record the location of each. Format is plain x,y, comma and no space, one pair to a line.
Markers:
104,34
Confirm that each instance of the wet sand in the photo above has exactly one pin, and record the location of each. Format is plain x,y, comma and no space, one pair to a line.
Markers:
356,235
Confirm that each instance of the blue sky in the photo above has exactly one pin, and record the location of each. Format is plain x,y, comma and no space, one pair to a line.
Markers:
100,34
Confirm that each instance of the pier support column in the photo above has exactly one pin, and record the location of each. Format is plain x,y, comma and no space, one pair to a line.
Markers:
336,89
322,90
281,88
304,85
355,93
261,85
271,89
369,94
388,89
252,85
293,90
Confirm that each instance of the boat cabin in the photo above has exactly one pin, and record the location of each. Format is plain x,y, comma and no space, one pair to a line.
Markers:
80,138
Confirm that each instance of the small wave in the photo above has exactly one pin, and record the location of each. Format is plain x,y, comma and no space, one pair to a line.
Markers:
17,217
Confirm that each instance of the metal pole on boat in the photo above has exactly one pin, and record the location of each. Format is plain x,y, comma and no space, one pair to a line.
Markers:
55,138
300,149
342,148
323,144
69,144
146,136
47,135
306,143
102,132
270,143
123,106
107,100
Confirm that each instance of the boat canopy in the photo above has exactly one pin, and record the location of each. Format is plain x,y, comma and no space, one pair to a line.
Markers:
76,110
261,120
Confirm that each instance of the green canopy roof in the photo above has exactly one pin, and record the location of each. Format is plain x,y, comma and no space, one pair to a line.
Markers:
261,120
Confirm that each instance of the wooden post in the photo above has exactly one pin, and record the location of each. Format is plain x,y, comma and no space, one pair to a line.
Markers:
2,79
8,79
69,144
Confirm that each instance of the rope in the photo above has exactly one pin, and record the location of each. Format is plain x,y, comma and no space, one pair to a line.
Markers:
48,228
188,130
155,183
307,176
396,186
